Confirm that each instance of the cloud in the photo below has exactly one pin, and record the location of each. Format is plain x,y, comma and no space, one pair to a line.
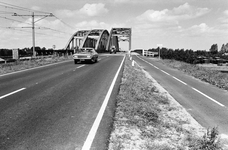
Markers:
183,12
224,19
66,13
93,9
36,8
93,24
203,30
226,12
122,1
89,10
199,29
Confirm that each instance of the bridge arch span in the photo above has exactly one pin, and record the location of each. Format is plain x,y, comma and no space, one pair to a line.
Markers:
96,39
102,42
76,40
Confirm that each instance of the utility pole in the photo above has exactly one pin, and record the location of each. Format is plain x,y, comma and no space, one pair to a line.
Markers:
130,34
33,27
159,50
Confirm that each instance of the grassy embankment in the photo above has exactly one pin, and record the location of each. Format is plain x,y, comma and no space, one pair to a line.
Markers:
148,118
22,65
208,73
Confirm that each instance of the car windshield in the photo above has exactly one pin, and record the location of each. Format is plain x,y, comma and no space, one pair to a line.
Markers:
83,50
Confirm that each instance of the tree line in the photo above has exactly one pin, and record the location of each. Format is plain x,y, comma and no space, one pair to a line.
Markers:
193,57
7,53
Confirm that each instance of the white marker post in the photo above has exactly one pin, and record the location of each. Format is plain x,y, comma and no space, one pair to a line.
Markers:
133,63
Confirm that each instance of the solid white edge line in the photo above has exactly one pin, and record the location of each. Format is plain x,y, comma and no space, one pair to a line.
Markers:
179,80
12,93
34,68
89,140
208,97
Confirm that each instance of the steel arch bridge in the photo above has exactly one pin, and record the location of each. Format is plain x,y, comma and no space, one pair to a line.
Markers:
99,39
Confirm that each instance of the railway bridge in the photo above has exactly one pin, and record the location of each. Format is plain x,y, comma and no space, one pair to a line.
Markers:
99,39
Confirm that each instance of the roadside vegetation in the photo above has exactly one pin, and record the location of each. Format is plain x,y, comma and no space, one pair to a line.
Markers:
204,72
148,118
30,63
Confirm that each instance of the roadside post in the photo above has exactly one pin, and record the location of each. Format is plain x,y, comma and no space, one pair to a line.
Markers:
159,50
15,54
133,63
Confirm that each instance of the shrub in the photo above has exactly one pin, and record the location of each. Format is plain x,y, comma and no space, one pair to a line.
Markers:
209,141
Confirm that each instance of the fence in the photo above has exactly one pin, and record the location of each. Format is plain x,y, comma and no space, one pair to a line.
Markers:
149,53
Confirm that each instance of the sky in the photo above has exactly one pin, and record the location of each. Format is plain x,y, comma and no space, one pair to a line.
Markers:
187,24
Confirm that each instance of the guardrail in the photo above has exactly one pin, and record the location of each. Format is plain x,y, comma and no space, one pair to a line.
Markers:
149,53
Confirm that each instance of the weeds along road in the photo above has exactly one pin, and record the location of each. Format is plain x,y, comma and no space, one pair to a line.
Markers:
54,107
206,103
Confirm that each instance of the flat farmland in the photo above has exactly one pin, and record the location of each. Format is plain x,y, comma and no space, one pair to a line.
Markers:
223,68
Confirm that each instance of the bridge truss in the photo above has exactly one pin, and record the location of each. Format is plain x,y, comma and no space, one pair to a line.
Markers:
99,39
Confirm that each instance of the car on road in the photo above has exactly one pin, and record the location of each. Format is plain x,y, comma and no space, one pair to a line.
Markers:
113,50
85,55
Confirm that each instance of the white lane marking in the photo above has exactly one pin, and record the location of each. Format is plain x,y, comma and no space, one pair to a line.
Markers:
93,130
179,80
34,68
165,72
208,97
1,97
80,66
191,87
155,67
148,62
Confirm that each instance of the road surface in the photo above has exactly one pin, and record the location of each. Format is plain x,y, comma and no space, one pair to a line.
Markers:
54,107
206,103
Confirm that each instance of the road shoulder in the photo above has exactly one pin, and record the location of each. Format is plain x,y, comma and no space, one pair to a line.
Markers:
176,130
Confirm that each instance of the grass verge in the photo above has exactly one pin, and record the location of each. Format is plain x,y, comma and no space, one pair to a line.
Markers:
212,76
22,65
148,118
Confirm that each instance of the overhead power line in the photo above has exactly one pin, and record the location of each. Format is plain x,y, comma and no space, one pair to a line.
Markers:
53,30
17,29
21,8
6,12
40,14
33,26
39,27
14,20
64,22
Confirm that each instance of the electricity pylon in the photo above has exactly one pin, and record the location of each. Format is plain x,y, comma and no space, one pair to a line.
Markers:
33,26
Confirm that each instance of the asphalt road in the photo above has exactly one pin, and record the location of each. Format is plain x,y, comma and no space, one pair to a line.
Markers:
206,103
54,107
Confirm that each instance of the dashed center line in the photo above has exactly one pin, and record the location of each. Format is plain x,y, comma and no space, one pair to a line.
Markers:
179,80
208,97
184,83
80,66
165,72
1,97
